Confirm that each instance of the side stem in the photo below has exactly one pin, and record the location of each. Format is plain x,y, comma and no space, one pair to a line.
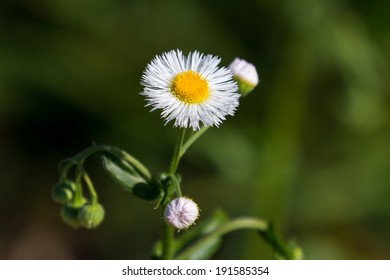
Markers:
240,223
192,139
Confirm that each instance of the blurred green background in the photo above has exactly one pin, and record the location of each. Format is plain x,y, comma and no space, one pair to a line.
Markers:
309,148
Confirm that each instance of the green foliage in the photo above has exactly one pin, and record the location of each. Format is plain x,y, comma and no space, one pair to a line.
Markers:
206,251
127,170
130,180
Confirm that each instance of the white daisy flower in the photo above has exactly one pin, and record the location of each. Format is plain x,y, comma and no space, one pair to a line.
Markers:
181,212
190,89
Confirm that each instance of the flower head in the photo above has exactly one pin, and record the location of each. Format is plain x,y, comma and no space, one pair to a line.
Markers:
190,89
245,74
181,212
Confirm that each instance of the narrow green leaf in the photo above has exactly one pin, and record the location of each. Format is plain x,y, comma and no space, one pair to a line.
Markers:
203,247
121,171
189,238
130,180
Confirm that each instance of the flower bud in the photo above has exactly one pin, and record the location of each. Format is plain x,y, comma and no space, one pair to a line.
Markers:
63,191
91,215
69,215
245,75
181,212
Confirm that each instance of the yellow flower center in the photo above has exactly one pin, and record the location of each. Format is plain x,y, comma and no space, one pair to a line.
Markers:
190,87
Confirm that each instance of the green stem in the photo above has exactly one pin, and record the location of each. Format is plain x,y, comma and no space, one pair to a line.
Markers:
140,168
78,196
167,241
241,223
176,183
192,139
167,230
177,152
88,182
64,168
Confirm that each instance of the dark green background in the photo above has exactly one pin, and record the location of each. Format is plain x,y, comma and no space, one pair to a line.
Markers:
309,148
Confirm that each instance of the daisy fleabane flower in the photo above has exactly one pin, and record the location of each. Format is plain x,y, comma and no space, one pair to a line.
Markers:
181,212
190,89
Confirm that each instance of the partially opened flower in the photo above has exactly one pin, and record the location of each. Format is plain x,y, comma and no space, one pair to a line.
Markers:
245,74
190,89
181,212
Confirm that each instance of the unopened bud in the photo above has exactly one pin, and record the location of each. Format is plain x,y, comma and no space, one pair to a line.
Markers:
181,212
245,75
91,215
69,215
63,191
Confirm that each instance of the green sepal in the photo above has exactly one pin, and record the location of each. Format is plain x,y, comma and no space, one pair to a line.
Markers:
130,179
244,87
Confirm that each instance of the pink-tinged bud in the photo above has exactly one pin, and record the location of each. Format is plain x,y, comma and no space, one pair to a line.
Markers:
245,75
181,212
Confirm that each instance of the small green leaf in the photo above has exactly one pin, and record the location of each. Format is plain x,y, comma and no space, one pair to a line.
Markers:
208,248
130,180
122,172
150,191
169,185
189,237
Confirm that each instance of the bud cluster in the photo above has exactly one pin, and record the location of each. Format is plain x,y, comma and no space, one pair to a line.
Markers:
76,210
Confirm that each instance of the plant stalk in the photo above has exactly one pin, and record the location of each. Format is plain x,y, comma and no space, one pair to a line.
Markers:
167,230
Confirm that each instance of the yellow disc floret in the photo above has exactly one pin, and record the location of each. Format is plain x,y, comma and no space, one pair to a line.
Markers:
190,87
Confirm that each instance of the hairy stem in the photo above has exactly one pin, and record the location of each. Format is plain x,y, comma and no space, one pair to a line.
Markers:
177,154
167,230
